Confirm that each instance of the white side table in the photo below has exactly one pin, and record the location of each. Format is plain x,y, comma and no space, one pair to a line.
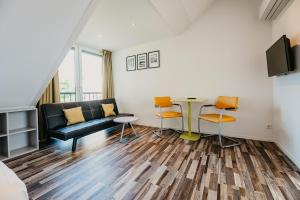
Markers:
126,120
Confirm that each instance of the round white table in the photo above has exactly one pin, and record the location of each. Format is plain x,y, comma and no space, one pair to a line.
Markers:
126,120
189,135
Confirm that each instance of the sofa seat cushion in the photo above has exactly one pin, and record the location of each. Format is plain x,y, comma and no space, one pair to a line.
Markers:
82,125
82,129
85,128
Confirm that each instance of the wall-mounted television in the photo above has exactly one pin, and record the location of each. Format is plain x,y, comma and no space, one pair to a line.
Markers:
279,57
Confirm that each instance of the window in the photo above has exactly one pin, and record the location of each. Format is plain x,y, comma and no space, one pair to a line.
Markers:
91,76
80,76
67,78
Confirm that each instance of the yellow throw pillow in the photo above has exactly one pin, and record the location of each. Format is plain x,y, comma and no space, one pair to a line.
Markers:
108,109
74,115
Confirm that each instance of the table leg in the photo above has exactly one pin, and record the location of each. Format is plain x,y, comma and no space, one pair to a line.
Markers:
189,135
189,118
133,129
121,139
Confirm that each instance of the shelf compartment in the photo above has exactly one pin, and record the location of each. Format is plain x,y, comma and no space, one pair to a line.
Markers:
3,157
22,143
22,150
3,124
3,148
22,121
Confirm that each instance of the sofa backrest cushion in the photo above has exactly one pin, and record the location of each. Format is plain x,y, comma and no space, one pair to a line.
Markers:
54,117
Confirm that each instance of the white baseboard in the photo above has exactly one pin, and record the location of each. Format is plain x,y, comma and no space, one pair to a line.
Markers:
250,137
288,154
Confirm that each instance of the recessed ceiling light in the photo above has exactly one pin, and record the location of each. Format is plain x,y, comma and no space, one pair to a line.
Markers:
133,24
99,36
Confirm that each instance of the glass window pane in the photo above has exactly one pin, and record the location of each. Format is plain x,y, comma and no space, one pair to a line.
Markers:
91,76
67,78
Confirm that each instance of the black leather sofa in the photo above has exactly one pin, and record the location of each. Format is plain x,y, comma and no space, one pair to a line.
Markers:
56,123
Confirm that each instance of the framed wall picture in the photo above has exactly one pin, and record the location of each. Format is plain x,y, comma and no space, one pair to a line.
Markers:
153,59
131,63
142,61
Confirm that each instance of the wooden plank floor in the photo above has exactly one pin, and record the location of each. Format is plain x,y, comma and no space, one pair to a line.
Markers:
155,168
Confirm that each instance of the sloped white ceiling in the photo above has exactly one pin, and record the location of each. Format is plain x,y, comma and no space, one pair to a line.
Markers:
35,35
173,13
153,20
180,14
194,8
113,20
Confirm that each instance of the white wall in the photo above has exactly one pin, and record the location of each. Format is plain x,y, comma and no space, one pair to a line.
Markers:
35,35
286,88
221,54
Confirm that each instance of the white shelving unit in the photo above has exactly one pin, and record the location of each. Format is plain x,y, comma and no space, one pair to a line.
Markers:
18,132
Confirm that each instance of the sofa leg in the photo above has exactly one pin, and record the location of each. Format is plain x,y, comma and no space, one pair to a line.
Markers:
74,145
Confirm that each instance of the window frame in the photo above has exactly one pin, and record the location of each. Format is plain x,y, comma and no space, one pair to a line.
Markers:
78,50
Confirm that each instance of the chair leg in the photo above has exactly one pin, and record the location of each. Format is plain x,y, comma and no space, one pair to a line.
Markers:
220,136
206,135
182,127
161,126
235,142
159,132
199,125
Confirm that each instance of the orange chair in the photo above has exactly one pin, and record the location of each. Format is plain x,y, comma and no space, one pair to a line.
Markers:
223,103
163,103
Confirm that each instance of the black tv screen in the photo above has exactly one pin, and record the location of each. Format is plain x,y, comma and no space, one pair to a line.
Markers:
279,57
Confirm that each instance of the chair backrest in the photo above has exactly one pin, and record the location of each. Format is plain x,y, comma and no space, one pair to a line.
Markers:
225,102
163,102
